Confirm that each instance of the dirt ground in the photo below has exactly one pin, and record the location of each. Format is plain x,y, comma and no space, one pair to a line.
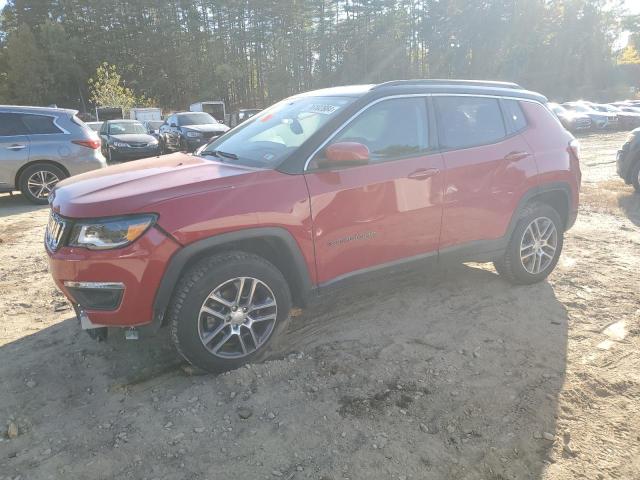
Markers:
440,374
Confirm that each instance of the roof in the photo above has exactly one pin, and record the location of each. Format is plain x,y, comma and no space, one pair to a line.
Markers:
435,86
30,109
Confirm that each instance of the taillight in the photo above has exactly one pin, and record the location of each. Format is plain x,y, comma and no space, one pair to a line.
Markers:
95,144
574,148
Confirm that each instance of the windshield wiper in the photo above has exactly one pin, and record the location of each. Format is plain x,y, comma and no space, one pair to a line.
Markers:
219,154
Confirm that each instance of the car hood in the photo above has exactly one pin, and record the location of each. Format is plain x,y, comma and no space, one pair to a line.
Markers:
207,128
137,186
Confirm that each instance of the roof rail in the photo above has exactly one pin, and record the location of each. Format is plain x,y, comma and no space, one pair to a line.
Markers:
435,81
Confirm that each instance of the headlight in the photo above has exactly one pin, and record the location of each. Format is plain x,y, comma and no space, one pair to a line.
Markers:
193,134
120,144
110,232
153,142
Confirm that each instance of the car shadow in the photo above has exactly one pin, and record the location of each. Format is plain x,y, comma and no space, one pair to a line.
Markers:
630,205
16,204
461,371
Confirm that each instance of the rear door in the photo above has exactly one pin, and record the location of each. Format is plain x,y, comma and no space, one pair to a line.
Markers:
390,209
14,148
489,166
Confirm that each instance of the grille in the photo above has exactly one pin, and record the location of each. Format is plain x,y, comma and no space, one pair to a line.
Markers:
138,144
55,231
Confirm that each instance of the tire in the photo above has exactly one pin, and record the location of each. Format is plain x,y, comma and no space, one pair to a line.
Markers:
197,333
635,176
524,272
37,181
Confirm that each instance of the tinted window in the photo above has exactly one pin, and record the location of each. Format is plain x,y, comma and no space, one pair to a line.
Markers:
468,121
10,124
40,124
195,119
514,115
390,129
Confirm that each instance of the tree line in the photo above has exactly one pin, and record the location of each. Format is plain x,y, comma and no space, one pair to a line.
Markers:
253,52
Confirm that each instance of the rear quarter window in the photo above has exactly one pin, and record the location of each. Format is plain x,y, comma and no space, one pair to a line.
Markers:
465,122
40,124
516,121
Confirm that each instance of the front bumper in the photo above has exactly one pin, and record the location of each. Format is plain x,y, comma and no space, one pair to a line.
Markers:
138,267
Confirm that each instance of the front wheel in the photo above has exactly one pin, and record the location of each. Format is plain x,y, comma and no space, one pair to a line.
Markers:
535,245
227,309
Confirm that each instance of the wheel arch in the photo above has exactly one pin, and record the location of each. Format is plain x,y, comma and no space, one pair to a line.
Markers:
275,244
557,195
38,162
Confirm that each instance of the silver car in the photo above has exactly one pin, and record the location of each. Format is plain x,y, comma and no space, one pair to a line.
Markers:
41,146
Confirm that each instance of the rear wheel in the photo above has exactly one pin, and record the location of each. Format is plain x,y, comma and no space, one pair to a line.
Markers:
227,309
534,247
37,182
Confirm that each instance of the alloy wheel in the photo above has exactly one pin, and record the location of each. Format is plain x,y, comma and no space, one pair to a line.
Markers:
41,183
237,317
538,245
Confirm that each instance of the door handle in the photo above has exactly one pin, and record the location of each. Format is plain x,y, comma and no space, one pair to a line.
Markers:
423,173
16,146
515,156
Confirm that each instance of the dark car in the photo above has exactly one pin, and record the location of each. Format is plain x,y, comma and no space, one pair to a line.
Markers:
571,120
186,131
628,160
318,188
600,120
243,114
127,140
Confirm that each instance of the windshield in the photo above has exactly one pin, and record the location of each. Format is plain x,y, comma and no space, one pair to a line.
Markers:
195,119
268,137
154,124
121,128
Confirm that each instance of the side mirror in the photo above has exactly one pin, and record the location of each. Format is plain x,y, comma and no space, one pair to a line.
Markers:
343,154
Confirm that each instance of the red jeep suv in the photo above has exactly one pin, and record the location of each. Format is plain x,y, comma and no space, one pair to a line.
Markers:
319,187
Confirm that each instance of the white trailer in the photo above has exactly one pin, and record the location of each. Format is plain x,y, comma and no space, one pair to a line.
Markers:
145,114
215,108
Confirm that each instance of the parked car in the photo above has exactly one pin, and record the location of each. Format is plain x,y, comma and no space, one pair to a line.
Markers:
243,114
599,120
186,131
629,117
321,187
626,121
628,160
127,140
95,126
41,146
571,120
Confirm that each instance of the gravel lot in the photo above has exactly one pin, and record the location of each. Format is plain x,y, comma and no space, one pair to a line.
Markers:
445,374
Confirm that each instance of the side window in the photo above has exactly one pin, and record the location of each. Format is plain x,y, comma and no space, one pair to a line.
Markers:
514,115
10,124
467,121
40,124
391,130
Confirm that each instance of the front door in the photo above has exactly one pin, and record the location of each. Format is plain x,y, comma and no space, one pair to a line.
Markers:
390,209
